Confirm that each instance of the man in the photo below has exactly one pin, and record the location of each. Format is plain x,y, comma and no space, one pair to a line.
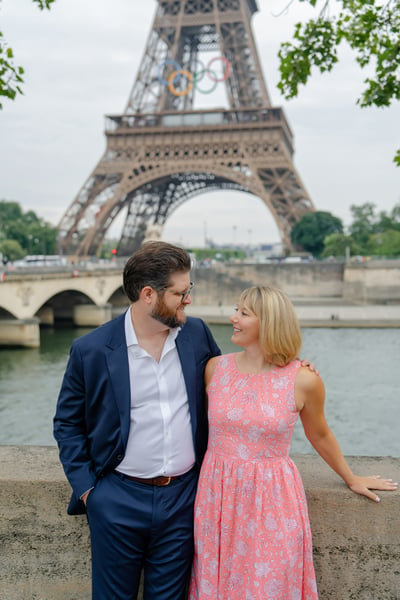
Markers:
131,427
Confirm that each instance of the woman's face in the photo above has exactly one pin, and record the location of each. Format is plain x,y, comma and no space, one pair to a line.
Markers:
246,326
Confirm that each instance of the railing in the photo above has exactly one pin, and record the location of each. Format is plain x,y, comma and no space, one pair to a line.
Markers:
195,118
214,119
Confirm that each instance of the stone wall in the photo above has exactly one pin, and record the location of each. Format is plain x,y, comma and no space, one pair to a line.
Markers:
372,282
375,281
223,282
45,553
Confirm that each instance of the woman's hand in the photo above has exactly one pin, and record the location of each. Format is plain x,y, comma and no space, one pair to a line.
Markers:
363,485
306,363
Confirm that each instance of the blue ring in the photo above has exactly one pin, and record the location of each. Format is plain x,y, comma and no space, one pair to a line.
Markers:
168,61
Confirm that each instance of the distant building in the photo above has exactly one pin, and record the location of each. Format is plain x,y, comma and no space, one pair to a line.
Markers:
268,252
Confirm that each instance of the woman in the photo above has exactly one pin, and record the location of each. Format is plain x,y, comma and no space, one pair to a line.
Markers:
252,533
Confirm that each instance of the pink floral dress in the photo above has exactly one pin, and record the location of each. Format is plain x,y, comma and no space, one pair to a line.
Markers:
252,533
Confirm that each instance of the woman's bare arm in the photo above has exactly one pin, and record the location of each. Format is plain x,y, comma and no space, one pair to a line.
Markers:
310,399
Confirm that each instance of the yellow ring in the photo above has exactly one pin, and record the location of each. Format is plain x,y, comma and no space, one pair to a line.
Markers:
173,89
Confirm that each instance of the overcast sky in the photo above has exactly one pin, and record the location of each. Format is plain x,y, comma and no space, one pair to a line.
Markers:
81,60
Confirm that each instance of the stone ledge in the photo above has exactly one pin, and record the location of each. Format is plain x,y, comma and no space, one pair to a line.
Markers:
45,553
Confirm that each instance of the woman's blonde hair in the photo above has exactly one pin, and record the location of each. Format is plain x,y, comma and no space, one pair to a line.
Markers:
280,335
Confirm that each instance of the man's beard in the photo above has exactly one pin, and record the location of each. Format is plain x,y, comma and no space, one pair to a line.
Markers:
166,316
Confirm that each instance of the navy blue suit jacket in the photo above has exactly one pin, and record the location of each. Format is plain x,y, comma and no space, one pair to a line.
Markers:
92,420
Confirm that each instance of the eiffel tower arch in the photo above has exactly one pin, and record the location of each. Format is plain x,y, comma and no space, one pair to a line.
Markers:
163,150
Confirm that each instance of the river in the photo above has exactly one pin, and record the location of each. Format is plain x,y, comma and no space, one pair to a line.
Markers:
360,369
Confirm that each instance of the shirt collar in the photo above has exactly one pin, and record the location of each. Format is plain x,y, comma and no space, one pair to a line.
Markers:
130,334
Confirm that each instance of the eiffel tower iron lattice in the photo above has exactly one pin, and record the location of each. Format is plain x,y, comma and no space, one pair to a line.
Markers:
162,151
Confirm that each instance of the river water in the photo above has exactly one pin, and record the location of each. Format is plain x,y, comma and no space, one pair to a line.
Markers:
360,369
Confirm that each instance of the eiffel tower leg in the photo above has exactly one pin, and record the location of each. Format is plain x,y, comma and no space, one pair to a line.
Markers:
287,197
84,214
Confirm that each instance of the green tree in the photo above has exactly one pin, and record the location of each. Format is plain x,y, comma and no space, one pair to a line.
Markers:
33,234
11,250
9,211
372,30
368,226
363,225
386,243
11,76
336,244
389,221
310,232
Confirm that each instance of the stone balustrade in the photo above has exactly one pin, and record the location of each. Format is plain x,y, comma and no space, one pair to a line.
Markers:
45,553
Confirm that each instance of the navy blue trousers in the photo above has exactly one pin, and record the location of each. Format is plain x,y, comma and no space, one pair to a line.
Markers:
135,526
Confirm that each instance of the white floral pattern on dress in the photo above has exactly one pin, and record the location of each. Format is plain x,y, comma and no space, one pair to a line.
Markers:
252,534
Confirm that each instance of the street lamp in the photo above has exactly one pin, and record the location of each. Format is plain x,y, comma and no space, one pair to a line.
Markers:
44,239
234,234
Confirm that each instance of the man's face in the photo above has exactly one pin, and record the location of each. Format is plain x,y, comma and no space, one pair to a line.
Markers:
170,307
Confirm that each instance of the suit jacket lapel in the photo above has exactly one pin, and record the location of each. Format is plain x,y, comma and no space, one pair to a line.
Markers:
184,344
118,367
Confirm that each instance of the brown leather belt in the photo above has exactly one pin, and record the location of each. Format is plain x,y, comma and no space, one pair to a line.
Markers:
160,481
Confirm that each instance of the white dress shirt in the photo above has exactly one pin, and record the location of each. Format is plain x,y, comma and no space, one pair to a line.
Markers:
160,437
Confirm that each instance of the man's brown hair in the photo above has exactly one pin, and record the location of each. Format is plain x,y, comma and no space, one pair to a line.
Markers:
153,264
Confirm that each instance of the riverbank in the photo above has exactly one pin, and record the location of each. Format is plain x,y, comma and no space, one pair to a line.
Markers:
320,312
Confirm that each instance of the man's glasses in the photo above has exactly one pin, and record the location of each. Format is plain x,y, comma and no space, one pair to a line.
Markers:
183,295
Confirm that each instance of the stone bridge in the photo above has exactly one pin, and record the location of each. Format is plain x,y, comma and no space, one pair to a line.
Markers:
89,295
84,297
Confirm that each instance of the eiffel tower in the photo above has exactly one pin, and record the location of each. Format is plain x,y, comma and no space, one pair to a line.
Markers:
162,151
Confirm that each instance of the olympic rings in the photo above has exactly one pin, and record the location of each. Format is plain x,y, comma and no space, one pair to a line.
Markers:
168,61
227,67
171,86
199,76
192,78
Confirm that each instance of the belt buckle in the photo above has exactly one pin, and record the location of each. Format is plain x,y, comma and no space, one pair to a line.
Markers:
167,482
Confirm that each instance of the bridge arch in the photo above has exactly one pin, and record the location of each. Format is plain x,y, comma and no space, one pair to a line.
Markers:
26,296
6,314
